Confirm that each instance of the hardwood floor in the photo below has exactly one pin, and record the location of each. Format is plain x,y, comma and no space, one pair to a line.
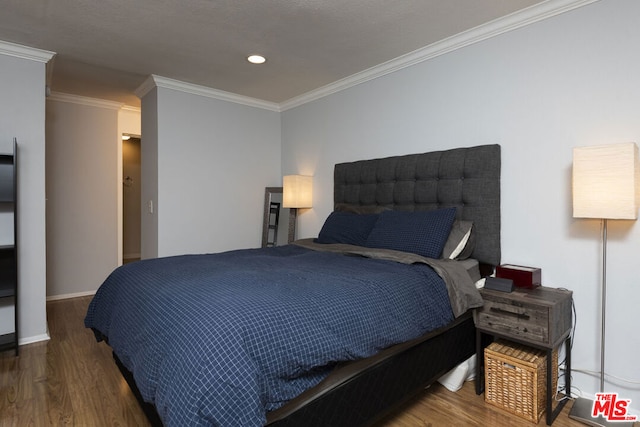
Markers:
69,380
73,380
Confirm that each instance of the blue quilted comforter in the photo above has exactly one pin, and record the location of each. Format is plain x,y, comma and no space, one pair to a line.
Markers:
221,339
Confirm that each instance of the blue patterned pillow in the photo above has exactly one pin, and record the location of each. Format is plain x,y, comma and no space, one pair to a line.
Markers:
421,232
346,227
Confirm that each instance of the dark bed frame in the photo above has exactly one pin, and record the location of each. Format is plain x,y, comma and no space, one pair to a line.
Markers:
362,392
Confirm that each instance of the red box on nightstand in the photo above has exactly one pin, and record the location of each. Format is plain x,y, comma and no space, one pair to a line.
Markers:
523,277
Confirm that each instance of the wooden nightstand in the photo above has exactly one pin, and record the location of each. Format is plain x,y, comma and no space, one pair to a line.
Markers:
539,317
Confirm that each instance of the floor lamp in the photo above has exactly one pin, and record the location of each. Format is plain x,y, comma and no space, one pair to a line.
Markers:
296,194
605,186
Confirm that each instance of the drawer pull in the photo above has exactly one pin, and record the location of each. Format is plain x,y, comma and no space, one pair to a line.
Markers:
510,313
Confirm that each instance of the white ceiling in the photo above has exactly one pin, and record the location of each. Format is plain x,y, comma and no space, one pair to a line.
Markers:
106,49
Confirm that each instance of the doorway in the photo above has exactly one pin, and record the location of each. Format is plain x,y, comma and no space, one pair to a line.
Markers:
131,198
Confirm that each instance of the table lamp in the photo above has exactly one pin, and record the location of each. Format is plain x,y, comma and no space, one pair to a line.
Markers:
296,194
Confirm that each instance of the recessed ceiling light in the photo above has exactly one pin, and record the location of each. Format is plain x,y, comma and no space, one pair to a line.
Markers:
256,59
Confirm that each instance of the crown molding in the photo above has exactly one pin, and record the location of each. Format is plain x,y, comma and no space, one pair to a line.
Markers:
25,52
519,19
131,108
83,100
167,83
147,85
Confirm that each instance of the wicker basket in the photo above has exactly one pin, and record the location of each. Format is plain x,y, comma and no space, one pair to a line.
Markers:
516,378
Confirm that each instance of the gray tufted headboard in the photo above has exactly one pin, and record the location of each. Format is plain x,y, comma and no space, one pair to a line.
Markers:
467,178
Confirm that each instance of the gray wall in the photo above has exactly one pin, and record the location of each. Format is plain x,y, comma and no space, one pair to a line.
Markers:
209,162
22,115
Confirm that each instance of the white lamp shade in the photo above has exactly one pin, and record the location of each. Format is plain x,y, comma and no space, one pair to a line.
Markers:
605,181
297,191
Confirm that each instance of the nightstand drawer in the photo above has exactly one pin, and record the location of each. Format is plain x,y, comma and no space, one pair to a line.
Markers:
523,321
541,316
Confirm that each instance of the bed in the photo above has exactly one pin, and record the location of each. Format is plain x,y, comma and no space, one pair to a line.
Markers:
337,330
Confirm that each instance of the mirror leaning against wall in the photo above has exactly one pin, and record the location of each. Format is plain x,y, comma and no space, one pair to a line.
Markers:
277,229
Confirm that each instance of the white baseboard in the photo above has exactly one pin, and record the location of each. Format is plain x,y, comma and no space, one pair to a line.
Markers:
34,339
46,336
67,296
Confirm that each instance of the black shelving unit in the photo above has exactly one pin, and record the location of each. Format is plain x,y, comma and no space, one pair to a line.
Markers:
9,251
